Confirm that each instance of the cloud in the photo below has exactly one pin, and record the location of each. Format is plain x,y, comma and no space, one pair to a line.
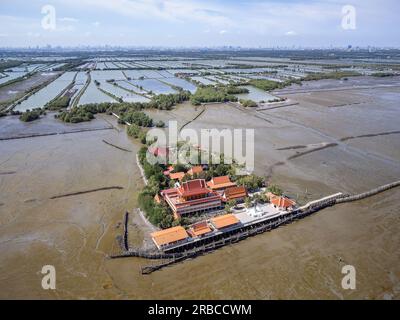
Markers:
203,22
67,28
206,12
252,17
68,19
33,34
258,17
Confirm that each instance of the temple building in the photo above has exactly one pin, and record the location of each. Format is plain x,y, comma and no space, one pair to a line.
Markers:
192,197
177,176
172,236
199,229
225,222
235,193
280,202
220,183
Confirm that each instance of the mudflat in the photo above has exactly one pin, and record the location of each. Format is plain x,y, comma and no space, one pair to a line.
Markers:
300,147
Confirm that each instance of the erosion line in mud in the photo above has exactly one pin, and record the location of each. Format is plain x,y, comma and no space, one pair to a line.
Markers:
53,134
311,151
259,117
7,172
278,107
370,135
195,118
114,127
271,168
86,191
292,148
345,105
113,145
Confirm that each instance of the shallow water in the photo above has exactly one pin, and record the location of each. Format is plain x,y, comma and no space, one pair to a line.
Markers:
126,96
203,80
93,95
11,76
19,88
256,95
48,93
154,85
186,85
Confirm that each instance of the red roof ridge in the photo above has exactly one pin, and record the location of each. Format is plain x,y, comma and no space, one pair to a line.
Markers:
194,184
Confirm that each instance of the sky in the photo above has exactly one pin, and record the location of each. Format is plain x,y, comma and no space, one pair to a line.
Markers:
200,23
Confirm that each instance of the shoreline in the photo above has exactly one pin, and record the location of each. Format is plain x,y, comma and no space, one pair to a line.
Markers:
141,213
141,170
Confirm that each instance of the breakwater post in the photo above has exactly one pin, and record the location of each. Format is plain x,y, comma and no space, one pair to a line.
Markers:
125,239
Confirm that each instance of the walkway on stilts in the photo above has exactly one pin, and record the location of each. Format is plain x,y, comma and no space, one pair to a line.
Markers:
193,249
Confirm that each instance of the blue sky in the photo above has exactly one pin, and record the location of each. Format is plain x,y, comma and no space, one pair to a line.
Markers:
247,23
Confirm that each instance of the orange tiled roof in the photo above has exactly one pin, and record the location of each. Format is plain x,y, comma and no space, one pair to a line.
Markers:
224,221
195,170
221,180
168,191
221,186
235,192
193,187
282,202
200,228
177,175
157,198
169,235
220,183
